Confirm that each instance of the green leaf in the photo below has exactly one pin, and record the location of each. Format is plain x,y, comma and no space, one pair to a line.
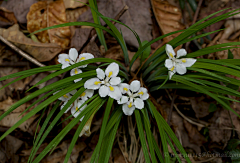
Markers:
212,107
80,127
108,144
230,54
232,144
162,123
87,112
96,19
146,52
193,4
141,135
149,136
104,124
35,148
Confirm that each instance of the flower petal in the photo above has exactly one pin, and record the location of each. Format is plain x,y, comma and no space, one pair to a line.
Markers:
139,104
103,91
135,86
128,111
83,57
77,109
143,93
112,70
65,65
123,99
181,69
115,80
114,92
124,87
92,83
75,71
73,54
67,108
63,58
171,73
168,63
100,73
188,62
89,92
169,50
181,52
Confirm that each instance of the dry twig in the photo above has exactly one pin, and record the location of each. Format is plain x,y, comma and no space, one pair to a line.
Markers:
25,55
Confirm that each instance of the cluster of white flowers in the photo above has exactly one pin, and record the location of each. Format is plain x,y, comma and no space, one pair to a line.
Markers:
109,84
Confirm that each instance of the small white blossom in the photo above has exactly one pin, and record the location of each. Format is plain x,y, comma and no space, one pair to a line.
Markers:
136,95
88,93
175,64
76,110
68,60
107,82
66,98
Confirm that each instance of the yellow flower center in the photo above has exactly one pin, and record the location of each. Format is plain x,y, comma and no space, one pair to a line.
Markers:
110,74
171,55
83,58
65,96
97,82
111,88
172,68
184,60
75,71
130,105
67,60
83,94
141,93
77,109
125,89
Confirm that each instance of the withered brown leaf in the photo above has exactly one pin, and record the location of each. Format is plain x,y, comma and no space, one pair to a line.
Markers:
168,18
41,51
46,14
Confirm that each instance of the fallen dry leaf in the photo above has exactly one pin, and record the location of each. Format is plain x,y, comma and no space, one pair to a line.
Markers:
61,151
19,85
7,18
45,14
180,132
9,146
42,52
80,37
168,18
200,106
194,135
19,8
74,4
219,121
73,15
14,116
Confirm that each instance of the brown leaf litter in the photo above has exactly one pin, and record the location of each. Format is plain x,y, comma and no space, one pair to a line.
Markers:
41,51
45,14
168,18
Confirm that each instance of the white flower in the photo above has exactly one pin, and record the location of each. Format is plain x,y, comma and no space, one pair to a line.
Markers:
136,95
88,93
76,110
66,98
107,82
68,60
175,64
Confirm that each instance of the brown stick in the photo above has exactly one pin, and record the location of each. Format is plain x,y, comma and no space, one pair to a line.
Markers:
25,55
197,11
